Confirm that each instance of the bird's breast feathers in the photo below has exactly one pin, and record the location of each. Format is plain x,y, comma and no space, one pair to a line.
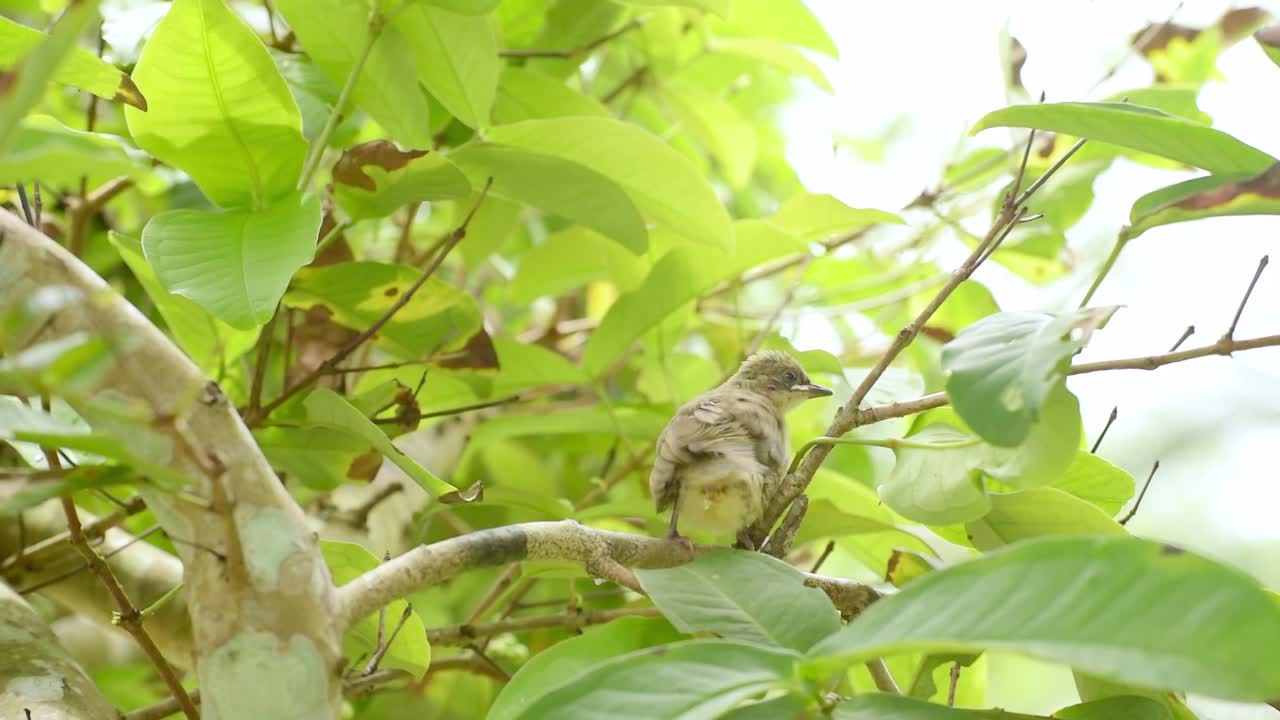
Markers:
724,492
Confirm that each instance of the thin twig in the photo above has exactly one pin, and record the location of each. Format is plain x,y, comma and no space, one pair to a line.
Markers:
28,557
1262,265
579,50
81,567
381,652
953,684
260,366
629,81
1115,413
26,205
495,591
79,214
464,633
1133,510
826,553
1191,330
881,676
332,361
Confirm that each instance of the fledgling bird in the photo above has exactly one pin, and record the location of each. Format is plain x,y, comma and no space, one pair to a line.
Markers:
725,451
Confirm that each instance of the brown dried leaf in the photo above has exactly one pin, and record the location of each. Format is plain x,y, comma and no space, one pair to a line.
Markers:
349,170
365,467
1266,185
477,354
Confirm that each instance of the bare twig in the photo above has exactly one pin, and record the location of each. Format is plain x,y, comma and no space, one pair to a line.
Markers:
629,81
29,557
1115,413
572,52
504,581
452,239
1262,265
465,633
80,213
383,647
1191,330
881,676
260,366
953,684
81,566
1133,510
26,206
822,558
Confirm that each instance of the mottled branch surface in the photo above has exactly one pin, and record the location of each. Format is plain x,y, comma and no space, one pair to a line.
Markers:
267,612
38,679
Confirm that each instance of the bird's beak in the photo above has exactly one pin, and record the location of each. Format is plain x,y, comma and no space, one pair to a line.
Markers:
811,390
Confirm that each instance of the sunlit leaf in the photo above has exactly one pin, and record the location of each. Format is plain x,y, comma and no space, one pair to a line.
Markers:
525,95
811,216
235,264
376,178
572,258
409,650
1097,481
26,84
457,58
726,133
719,7
1127,622
218,107
319,457
81,68
786,20
776,54
1206,197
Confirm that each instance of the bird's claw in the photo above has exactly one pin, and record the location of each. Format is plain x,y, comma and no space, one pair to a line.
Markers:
683,541
744,540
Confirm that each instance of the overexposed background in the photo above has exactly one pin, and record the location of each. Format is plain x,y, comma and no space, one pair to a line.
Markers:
925,71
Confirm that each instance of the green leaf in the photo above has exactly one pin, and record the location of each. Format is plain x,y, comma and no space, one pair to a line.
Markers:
1114,606
776,54
661,181
466,7
1137,128
1180,100
218,107
1268,39
742,595
60,156
719,7
376,178
334,34
527,366
699,680
80,68
28,82
26,424
579,193
1003,368
457,58
567,658
938,486
572,258
810,216
1037,512
525,95
1047,451
327,408
786,20
17,496
1206,197
438,317
1129,707
1097,481
631,422
679,277
320,458
876,706
409,650
237,263
208,341
726,133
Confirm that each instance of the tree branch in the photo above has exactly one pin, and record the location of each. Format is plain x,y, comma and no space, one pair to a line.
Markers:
464,634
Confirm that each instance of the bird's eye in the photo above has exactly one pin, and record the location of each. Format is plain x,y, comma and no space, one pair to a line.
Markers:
790,377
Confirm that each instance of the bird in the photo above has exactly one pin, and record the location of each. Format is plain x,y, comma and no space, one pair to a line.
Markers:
725,451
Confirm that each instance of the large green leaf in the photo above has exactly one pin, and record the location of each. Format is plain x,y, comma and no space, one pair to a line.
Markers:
1003,368
334,33
237,263
208,341
679,277
562,661
938,485
1133,610
1037,512
776,54
572,258
1129,707
719,7
786,20
527,366
80,68
466,7
439,316
579,193
60,156
376,178
217,106
457,58
876,706
320,458
661,181
1049,448
327,408
727,134
25,85
1206,197
742,596
630,422
699,680
1137,128
525,95
811,216
1091,478
409,650
27,424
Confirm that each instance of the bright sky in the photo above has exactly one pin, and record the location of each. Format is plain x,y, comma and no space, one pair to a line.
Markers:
1214,423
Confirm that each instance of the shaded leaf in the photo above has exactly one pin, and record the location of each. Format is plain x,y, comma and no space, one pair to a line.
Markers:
320,458
1037,512
742,595
1097,481
17,496
527,366
439,317
376,178
938,486
572,258
218,107
1206,197
1130,707
235,264
22,86
410,650
1129,621
1137,128
877,706
60,156
697,683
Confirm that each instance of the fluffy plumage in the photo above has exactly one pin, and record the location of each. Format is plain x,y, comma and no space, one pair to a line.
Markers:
725,451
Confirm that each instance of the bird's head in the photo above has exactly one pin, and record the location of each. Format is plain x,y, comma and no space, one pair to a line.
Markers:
777,376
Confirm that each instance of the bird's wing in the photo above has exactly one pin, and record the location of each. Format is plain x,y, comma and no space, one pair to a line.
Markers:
700,428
